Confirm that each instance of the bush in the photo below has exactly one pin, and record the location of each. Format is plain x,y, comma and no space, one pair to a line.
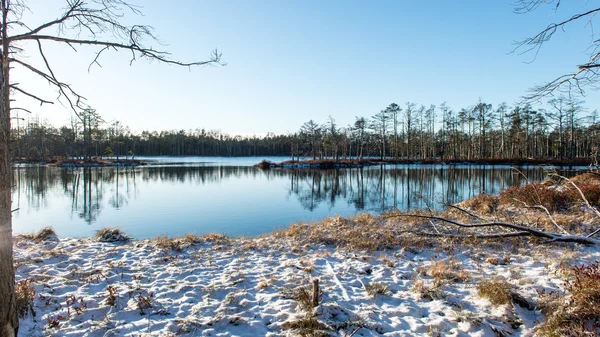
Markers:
576,312
483,203
537,194
24,295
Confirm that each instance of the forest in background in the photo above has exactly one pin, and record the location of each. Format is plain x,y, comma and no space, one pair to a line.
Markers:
562,130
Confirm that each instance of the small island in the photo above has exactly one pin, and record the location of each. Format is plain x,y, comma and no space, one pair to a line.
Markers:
91,162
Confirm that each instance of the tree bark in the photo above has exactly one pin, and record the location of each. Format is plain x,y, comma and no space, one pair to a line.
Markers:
9,321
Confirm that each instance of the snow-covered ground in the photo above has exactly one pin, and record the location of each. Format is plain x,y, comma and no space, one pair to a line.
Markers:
255,287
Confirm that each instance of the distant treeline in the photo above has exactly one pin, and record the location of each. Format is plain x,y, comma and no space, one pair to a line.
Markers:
562,130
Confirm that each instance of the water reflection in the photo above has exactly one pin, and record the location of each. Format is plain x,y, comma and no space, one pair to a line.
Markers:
402,187
43,194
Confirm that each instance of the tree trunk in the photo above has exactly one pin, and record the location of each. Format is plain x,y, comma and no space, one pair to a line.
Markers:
9,321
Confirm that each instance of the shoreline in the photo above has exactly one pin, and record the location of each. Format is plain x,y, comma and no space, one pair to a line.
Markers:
94,162
353,163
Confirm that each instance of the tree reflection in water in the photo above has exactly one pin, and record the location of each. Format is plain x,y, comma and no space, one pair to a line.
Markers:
375,188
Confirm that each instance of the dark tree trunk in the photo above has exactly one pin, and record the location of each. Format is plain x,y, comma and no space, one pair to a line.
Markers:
9,321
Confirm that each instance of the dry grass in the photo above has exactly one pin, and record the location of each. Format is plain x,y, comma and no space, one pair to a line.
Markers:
215,238
302,295
496,290
377,288
424,291
45,234
363,232
389,262
165,243
179,243
577,311
111,235
307,326
497,261
24,295
443,271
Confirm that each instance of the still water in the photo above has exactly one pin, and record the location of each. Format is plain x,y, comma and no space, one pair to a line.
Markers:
175,196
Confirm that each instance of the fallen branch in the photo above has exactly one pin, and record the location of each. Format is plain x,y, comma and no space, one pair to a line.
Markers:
553,237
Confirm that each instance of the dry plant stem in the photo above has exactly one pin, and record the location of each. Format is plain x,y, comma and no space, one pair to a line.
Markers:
431,222
545,211
587,203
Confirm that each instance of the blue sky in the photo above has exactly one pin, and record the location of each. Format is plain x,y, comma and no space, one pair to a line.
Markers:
291,61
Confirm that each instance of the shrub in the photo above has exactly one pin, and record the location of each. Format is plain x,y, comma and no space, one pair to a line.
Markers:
591,191
576,311
537,193
111,298
483,203
24,295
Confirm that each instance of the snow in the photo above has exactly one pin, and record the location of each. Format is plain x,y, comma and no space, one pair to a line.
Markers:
242,287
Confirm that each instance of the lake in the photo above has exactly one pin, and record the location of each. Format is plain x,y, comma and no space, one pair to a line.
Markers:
178,195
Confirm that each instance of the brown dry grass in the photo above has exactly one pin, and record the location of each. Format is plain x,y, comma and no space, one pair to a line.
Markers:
427,292
111,234
307,326
496,290
377,288
302,295
44,234
166,243
363,232
179,243
443,271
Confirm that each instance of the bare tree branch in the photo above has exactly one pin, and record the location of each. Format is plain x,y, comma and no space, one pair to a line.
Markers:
540,207
41,100
23,109
215,57
584,76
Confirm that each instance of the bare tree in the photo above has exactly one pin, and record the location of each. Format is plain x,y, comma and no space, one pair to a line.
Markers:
380,124
92,23
585,74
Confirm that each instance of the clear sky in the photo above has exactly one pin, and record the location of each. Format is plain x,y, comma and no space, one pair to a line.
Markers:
291,61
